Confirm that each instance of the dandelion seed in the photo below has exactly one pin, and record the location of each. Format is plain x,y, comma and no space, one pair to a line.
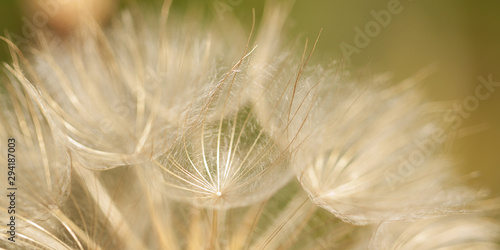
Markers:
448,232
348,168
180,136
39,169
117,98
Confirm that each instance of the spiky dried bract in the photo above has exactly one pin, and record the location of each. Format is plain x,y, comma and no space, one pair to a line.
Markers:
451,232
36,175
379,157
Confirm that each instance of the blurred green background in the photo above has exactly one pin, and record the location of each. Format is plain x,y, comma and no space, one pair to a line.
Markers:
461,38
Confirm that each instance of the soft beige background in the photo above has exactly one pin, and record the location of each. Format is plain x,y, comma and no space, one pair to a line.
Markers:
461,38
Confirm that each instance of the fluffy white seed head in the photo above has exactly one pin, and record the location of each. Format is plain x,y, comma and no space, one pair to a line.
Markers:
116,97
237,141
379,157
212,119
448,232
36,167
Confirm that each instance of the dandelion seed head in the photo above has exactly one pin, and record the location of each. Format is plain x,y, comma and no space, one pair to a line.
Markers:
363,166
37,166
229,162
188,134
450,232
129,87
